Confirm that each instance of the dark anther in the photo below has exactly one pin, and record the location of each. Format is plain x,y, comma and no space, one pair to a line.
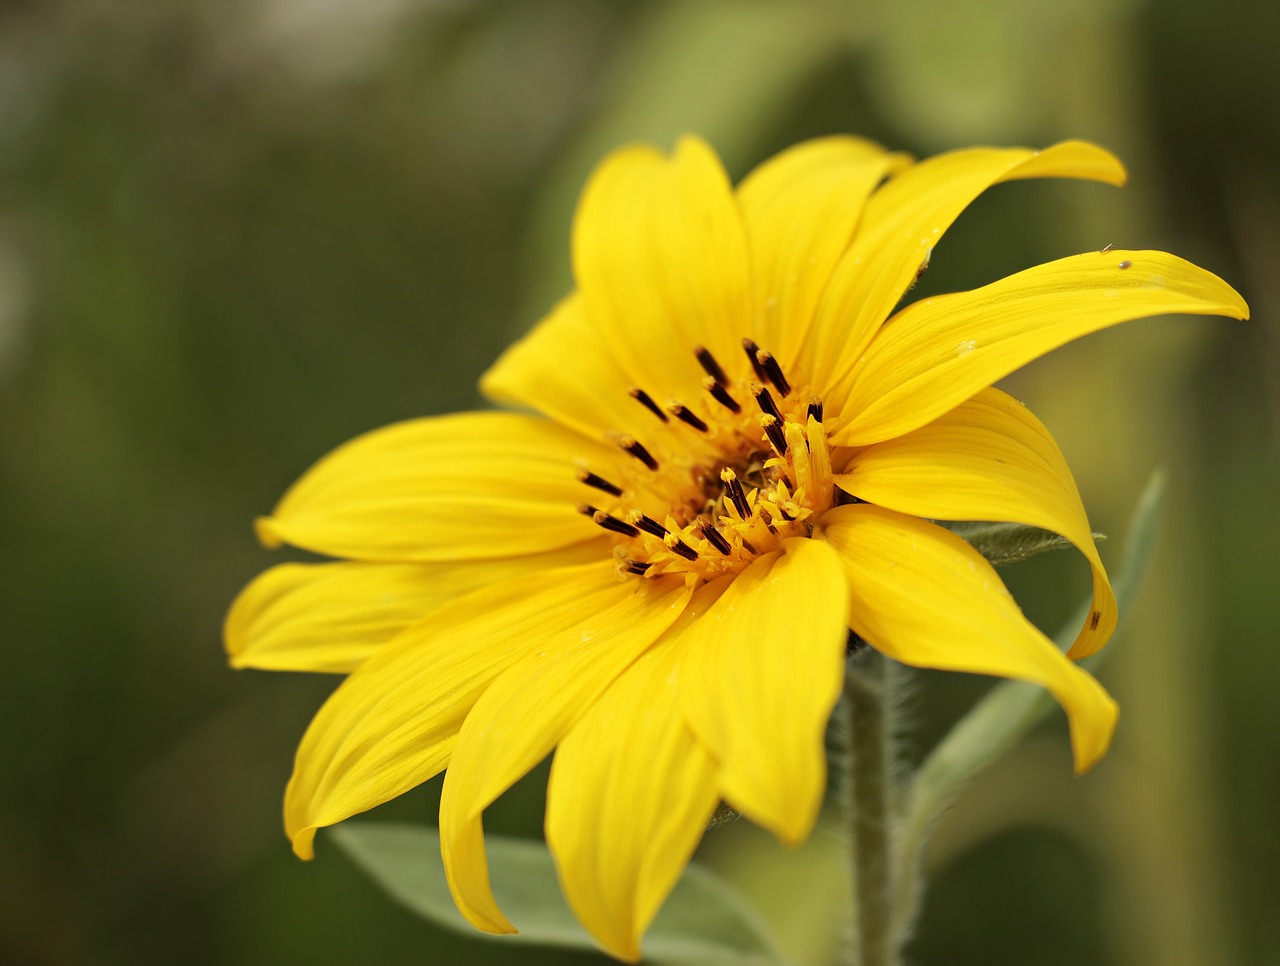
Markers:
637,518
753,353
645,400
676,545
636,567
747,547
715,538
853,644
633,447
782,511
815,408
710,366
599,482
587,510
764,399
688,417
603,519
733,486
773,372
721,395
773,429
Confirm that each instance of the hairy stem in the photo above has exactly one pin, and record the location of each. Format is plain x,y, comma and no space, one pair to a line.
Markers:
866,783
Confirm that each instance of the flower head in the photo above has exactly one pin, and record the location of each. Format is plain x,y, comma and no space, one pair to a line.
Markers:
736,452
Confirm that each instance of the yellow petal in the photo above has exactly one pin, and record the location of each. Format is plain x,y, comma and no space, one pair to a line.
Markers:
660,257
801,208
331,617
529,708
940,351
564,369
460,487
763,671
392,724
903,221
987,459
630,794
924,597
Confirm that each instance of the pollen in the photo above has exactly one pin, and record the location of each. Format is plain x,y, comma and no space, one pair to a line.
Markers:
721,478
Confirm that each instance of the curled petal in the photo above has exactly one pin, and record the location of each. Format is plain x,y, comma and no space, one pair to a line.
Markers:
924,597
938,352
902,223
987,459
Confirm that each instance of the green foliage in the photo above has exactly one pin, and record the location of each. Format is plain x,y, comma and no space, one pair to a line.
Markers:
1004,716
703,922
1009,543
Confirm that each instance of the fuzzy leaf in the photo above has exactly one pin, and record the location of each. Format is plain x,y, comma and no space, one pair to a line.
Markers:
704,920
1008,543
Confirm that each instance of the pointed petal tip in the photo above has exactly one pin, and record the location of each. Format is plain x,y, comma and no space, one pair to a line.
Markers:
791,827
692,142
488,383
304,842
1089,746
793,838
1233,305
623,948
1230,303
1239,307
1092,161
797,826
264,528
489,919
466,865
492,927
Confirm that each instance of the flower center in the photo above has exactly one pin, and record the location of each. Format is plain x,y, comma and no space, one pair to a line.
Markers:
727,479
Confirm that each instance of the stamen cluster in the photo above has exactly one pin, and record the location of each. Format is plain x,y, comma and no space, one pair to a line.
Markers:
750,479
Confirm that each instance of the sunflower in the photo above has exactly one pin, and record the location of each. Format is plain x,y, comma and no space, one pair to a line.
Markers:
735,455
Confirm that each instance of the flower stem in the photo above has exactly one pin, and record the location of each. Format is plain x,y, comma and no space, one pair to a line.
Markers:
864,720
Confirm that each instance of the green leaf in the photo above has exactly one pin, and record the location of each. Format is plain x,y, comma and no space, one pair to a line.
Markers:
1008,712
1007,543
703,921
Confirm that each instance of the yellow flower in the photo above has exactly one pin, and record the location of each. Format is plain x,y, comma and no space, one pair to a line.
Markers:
739,449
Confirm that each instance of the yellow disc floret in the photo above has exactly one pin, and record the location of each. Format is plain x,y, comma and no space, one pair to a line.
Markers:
750,480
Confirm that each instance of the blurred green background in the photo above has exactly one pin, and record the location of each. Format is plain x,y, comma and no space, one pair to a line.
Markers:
235,234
